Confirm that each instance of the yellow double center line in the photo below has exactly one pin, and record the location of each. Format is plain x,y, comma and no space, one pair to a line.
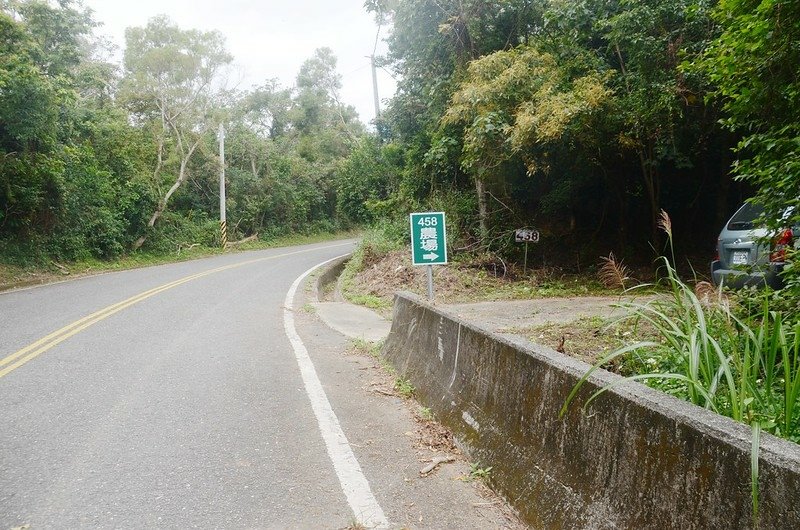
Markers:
18,358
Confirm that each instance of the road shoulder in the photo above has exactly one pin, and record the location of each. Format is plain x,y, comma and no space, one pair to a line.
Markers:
392,439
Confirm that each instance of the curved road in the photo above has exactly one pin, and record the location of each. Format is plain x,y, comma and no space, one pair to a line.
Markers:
179,396
171,411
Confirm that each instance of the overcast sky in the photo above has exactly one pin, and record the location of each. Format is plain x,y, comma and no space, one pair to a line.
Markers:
270,38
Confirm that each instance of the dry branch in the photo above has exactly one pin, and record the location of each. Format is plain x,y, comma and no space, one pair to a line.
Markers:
242,241
436,462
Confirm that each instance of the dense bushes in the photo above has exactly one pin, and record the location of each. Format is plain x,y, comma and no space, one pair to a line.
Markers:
96,161
582,119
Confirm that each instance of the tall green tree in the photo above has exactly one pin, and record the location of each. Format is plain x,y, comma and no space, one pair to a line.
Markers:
172,83
513,105
604,127
753,65
659,117
431,46
287,152
57,195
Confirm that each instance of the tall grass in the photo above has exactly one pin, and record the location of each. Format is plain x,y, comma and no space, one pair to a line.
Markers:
739,359
743,367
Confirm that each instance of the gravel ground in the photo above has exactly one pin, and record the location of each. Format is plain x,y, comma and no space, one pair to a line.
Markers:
507,316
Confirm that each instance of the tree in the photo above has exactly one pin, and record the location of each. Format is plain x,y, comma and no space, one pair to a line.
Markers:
367,177
169,83
659,113
287,153
318,104
603,128
61,33
92,164
28,99
266,110
431,45
54,191
512,104
753,65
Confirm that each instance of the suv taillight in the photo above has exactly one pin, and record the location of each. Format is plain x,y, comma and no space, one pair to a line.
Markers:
783,240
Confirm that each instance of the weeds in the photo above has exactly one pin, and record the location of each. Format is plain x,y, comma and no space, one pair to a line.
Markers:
372,248
744,367
479,473
426,414
370,300
613,274
373,349
754,470
404,388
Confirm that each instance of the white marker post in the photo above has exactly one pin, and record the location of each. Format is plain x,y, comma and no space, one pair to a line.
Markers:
526,235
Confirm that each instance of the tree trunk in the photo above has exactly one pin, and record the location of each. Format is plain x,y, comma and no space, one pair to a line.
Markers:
651,186
162,204
722,208
646,160
483,213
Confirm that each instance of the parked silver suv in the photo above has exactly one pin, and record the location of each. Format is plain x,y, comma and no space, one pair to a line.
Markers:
745,256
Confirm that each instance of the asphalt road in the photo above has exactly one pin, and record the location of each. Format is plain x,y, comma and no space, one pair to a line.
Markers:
176,397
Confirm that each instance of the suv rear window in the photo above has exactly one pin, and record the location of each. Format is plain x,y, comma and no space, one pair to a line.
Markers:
743,219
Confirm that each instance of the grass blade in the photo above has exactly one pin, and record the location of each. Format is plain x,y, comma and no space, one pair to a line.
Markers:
610,357
754,450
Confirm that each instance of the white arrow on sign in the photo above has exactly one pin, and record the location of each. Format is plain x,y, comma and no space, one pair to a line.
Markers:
430,256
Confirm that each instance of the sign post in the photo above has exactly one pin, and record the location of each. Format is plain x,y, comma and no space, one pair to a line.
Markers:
526,235
428,242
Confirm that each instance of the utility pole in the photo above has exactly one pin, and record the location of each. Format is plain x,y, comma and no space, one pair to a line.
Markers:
223,224
375,76
375,88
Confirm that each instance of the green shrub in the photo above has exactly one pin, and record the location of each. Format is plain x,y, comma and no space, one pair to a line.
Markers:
373,246
735,355
175,231
746,368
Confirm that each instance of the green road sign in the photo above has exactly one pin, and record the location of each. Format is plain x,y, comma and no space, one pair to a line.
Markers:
428,238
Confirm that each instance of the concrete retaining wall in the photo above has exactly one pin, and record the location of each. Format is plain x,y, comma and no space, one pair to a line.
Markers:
328,276
638,459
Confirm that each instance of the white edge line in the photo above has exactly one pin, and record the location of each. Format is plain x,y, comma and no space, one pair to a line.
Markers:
354,484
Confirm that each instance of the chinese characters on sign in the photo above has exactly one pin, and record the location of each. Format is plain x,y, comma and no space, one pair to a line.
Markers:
428,238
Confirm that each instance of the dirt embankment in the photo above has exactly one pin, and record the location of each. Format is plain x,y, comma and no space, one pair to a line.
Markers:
565,312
